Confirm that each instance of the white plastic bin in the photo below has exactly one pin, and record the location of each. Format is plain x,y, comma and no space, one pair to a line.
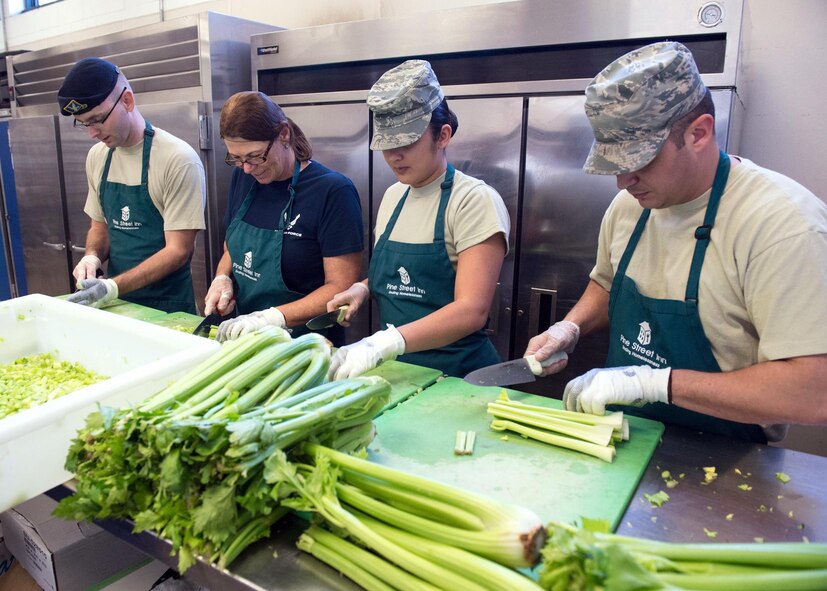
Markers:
140,359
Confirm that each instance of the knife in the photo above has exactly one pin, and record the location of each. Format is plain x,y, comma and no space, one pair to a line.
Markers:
203,328
516,371
327,320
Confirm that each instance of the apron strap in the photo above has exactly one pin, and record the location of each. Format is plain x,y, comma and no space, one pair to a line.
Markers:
703,232
288,209
445,195
149,133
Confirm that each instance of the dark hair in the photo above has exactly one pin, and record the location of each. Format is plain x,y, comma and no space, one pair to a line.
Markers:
252,116
440,116
705,107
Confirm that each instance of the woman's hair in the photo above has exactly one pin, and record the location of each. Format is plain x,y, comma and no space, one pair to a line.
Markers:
252,116
705,107
440,116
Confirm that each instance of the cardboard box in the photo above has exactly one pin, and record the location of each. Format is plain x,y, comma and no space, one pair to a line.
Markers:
5,556
64,555
140,359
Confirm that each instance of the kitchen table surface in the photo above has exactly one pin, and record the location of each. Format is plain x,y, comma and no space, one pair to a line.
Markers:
745,502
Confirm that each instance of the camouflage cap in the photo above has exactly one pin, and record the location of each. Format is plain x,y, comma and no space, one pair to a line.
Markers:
402,101
633,103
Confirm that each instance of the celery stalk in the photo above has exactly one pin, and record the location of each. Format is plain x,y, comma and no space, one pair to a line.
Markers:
597,434
365,568
605,453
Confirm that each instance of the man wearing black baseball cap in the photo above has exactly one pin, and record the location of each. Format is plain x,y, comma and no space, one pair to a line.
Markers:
146,196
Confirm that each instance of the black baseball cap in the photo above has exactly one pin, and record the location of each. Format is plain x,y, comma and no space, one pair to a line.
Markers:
87,85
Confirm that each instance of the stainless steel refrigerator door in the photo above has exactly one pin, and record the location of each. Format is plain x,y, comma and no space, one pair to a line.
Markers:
487,146
38,181
562,209
339,135
179,119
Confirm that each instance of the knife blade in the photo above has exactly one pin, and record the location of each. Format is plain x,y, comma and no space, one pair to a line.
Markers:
516,371
203,328
327,320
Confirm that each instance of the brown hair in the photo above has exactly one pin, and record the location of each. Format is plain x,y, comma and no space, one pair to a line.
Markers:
252,116
679,127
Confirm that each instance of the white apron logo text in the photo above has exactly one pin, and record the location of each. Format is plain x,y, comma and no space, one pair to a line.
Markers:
124,223
246,270
405,289
639,351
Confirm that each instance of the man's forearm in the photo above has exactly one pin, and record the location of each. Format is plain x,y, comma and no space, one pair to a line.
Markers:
784,391
591,312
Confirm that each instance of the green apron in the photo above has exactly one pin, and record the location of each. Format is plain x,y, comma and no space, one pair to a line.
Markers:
668,333
410,281
136,232
256,258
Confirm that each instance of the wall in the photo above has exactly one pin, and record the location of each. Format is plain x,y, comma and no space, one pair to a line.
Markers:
782,84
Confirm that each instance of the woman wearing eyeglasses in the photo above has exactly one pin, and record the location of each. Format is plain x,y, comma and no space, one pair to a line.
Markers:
293,226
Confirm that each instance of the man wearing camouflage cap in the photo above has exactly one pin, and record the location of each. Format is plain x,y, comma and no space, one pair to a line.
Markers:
441,237
146,196
710,270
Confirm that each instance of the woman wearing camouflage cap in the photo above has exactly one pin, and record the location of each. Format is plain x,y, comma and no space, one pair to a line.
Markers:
441,237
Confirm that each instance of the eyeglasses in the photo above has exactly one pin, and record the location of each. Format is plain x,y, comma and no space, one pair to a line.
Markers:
252,160
98,122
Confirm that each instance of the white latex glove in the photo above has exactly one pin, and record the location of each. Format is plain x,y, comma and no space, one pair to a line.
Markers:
235,327
97,293
560,336
634,385
354,360
353,297
87,268
220,296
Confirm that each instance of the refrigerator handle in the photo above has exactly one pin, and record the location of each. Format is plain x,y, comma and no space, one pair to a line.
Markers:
55,246
542,310
494,312
76,248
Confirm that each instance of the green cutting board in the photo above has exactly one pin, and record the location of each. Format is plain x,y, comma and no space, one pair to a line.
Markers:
122,308
405,379
181,321
418,435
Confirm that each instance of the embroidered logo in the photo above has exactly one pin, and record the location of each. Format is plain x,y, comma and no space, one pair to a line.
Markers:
73,107
644,337
248,259
125,213
403,276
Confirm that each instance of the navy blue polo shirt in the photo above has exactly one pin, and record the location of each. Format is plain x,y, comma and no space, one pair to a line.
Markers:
326,220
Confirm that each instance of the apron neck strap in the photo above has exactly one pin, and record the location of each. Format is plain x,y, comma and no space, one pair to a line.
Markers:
288,209
149,133
703,233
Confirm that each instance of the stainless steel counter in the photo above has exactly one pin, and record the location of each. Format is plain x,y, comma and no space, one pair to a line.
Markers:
768,509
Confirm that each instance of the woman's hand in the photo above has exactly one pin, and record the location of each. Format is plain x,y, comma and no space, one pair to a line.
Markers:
353,297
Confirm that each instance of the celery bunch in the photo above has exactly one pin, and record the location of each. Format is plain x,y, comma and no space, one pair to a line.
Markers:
416,533
189,462
36,379
577,559
589,434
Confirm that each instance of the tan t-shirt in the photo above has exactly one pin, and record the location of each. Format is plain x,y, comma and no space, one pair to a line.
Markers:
176,179
474,213
763,285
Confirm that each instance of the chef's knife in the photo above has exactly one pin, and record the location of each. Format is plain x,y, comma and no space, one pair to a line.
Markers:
327,320
517,371
204,327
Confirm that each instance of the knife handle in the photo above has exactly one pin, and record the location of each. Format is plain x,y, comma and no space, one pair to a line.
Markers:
342,311
537,367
